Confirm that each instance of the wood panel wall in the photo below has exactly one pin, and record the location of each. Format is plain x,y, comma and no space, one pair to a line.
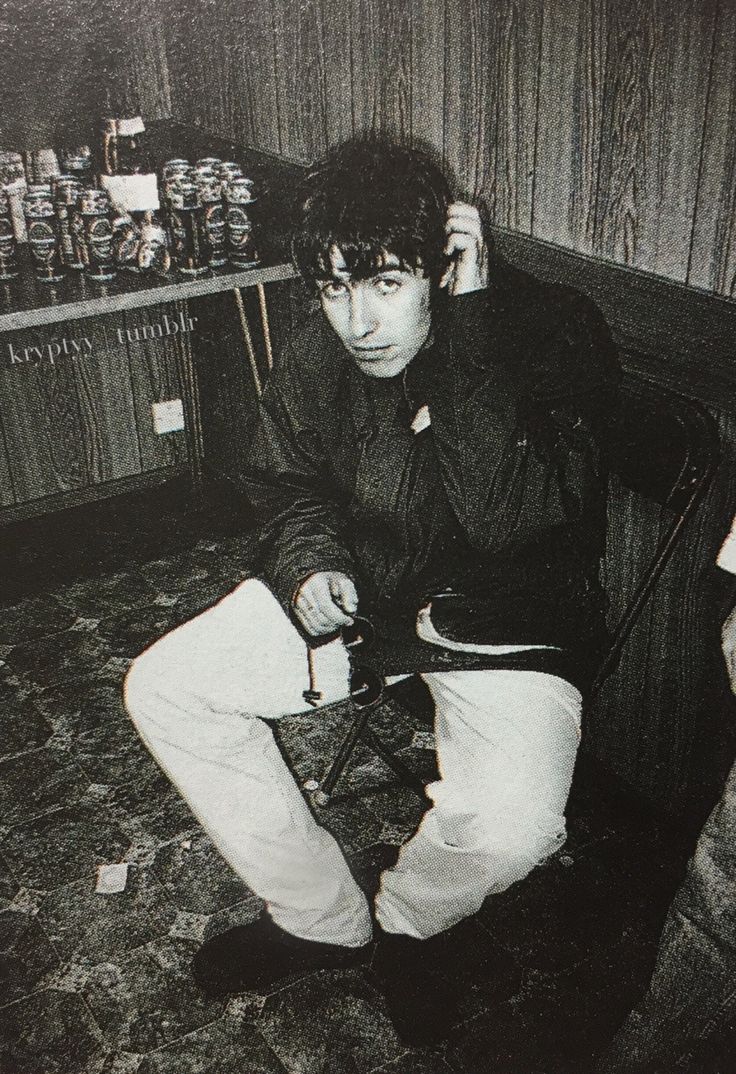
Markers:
604,126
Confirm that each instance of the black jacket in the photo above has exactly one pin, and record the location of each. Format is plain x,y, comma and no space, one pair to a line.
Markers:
499,506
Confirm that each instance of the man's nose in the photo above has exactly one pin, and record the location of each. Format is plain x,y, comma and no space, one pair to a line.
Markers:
362,315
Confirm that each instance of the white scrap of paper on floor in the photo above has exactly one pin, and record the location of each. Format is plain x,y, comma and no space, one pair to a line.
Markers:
111,879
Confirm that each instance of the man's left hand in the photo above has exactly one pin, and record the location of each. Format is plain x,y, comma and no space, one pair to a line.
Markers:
468,269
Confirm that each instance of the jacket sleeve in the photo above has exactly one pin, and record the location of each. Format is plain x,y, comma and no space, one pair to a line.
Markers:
301,521
517,436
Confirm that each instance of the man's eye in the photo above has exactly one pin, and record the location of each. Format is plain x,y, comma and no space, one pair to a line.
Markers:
387,285
333,289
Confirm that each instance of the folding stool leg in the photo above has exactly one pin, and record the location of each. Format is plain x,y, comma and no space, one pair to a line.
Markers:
321,791
405,774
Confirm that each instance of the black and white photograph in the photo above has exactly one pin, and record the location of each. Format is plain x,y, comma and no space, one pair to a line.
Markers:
368,537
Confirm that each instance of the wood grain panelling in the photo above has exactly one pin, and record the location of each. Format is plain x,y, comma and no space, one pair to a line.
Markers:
338,71
150,62
467,94
381,60
654,91
42,424
679,114
515,35
428,72
105,401
600,125
7,494
221,58
568,122
630,141
301,78
154,378
713,255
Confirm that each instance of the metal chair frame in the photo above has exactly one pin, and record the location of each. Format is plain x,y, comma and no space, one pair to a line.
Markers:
681,491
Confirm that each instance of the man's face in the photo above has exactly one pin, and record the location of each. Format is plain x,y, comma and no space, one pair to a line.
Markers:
383,321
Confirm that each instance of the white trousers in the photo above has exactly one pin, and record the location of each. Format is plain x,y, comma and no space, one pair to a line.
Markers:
506,746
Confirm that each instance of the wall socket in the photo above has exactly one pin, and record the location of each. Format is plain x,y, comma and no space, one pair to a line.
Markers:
168,417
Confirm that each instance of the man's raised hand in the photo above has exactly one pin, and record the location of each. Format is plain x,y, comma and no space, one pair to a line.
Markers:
468,269
325,601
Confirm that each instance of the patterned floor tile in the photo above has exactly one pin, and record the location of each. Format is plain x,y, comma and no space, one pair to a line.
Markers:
187,570
8,884
196,878
148,998
87,926
105,594
131,631
63,846
329,1022
60,658
151,800
238,1051
33,618
33,783
26,954
24,727
48,1033
422,1062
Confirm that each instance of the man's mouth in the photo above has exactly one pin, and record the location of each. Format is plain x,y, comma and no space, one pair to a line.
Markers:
367,351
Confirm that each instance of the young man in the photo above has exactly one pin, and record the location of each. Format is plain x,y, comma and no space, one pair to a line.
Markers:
426,455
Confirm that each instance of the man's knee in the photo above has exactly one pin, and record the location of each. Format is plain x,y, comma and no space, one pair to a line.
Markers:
527,849
513,843
145,682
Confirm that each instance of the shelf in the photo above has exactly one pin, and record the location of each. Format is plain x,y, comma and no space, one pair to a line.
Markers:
26,302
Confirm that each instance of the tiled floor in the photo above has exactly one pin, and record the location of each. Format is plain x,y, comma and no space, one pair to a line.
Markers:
100,983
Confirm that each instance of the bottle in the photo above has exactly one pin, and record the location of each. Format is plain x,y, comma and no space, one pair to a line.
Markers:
43,234
188,232
128,173
13,181
240,243
77,162
67,192
153,249
8,259
96,211
210,195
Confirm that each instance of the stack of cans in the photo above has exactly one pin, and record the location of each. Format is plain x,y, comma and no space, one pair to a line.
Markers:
209,215
55,203
69,227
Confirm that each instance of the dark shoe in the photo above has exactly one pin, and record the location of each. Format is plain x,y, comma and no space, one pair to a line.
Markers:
254,957
425,981
422,1002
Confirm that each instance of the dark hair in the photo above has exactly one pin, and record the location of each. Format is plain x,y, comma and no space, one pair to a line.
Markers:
369,196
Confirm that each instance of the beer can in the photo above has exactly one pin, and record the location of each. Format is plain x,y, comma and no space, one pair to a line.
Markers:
43,235
43,165
153,250
96,213
240,241
208,162
176,166
77,162
67,193
126,239
228,169
8,250
210,195
14,182
190,242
